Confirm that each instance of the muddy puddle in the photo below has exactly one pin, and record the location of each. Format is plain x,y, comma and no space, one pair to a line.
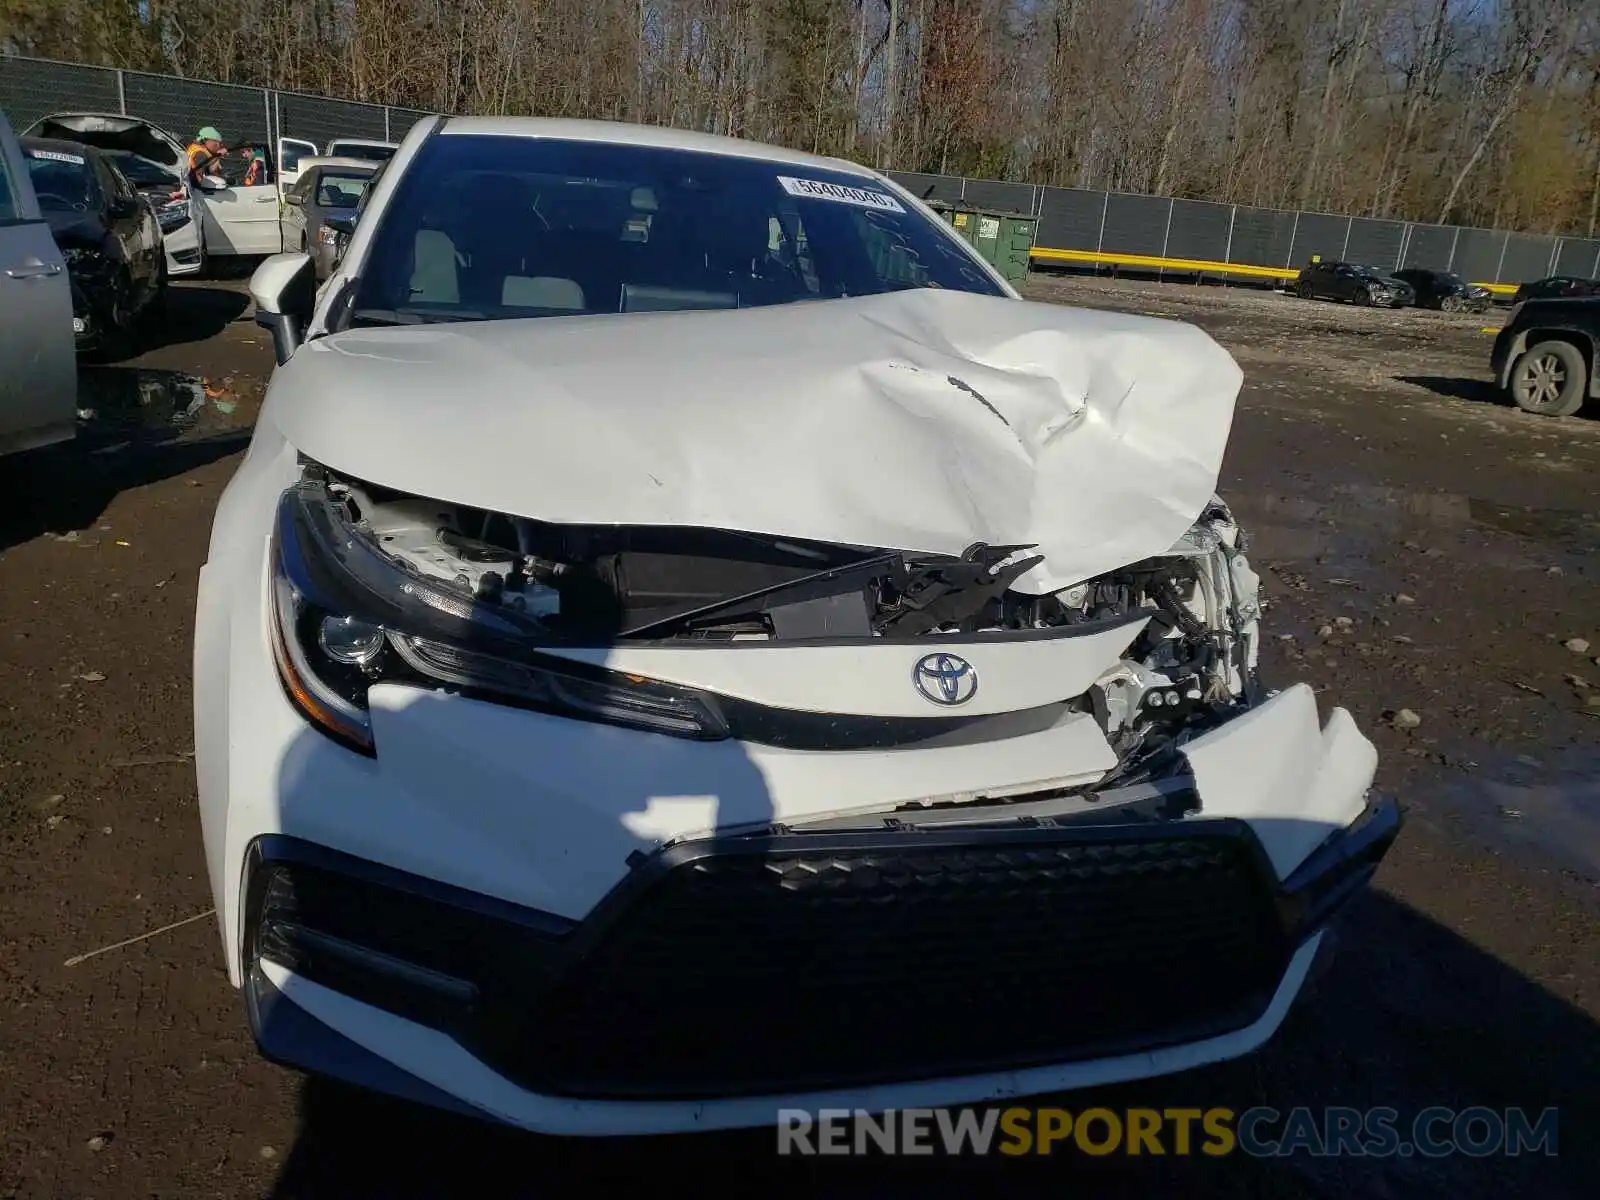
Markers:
1348,528
122,405
1456,606
1547,805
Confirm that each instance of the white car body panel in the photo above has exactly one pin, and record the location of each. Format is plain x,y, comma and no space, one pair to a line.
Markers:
38,364
242,220
806,678
1096,436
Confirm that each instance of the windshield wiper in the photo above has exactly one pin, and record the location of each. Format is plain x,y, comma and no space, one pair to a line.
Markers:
393,316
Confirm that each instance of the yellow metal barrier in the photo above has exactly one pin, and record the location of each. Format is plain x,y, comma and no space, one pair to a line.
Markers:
1154,262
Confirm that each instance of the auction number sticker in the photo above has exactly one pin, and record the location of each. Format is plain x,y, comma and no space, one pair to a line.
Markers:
56,156
817,189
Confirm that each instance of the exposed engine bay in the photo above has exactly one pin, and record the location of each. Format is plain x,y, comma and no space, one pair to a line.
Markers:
1194,660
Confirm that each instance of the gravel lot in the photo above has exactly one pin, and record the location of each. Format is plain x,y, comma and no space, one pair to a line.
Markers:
1423,547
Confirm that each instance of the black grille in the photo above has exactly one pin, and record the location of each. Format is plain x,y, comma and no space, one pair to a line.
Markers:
809,961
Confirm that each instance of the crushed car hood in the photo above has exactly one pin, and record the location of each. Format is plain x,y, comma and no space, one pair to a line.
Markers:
920,420
109,132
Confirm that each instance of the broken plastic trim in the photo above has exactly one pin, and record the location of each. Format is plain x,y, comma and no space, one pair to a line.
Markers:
317,575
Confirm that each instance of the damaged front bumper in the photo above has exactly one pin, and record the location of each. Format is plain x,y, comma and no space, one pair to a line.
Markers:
869,959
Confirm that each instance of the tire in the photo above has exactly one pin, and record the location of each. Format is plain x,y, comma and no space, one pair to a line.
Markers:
1450,304
1550,380
1304,291
1364,298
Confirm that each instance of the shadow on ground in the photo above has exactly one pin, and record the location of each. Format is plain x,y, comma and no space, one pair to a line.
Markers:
1410,1016
134,437
1480,390
192,313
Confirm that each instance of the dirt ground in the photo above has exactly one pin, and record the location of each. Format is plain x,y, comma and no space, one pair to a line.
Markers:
1422,546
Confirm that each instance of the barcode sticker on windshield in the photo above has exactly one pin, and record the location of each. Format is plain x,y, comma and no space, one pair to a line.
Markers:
56,156
816,189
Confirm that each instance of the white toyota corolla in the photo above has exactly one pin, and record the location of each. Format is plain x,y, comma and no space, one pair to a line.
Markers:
688,640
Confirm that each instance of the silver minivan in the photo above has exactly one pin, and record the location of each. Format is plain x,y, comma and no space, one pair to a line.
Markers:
38,367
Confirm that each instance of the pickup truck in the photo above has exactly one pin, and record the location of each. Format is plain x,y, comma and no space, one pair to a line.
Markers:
1544,359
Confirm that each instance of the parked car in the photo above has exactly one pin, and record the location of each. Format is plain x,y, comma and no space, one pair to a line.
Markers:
108,235
1353,282
154,163
1545,357
293,153
673,689
1445,290
1556,286
368,151
326,187
226,218
38,371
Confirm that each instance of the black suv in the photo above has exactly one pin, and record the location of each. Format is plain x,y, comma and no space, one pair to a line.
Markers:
1544,358
1445,290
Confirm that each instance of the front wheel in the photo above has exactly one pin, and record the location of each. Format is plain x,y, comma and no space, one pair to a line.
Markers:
1550,380
1450,304
1304,291
1364,298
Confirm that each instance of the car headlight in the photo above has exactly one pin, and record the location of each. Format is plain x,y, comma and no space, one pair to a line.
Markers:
345,616
327,235
174,214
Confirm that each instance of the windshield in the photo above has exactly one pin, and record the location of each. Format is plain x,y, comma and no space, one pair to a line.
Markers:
335,190
500,227
1451,279
141,172
61,179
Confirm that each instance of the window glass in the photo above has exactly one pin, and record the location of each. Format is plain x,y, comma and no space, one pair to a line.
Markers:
482,227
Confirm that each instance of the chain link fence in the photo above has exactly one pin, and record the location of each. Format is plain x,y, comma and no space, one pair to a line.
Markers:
1074,225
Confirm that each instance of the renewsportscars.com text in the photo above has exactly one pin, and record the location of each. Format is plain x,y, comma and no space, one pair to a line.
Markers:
1477,1132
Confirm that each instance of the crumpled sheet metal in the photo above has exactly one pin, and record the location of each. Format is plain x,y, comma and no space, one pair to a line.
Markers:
921,420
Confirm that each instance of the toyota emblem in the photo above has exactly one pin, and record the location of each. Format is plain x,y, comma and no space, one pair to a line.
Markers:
945,679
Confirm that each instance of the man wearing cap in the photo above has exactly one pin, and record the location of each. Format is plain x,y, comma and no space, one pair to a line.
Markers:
256,172
206,153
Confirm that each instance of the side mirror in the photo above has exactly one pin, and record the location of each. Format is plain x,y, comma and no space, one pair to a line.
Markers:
284,288
341,222
294,198
211,183
120,207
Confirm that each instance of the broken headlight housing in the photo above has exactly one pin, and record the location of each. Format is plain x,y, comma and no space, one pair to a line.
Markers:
345,617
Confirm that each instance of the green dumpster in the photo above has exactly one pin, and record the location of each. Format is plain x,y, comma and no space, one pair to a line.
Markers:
1004,237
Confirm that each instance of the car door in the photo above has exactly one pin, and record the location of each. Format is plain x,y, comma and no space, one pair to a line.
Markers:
294,218
242,220
291,151
38,370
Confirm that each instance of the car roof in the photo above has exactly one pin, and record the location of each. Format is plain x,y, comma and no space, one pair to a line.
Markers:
655,136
